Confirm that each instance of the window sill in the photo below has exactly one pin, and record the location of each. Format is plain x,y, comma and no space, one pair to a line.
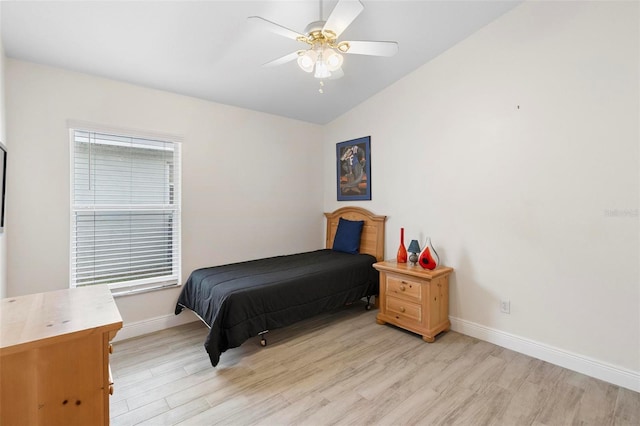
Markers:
130,291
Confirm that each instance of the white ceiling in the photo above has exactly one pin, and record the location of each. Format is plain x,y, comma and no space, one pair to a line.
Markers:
208,49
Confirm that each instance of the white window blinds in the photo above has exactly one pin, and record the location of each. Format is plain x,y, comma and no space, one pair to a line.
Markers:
125,224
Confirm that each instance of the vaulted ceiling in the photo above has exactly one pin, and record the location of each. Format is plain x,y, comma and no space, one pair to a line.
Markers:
209,50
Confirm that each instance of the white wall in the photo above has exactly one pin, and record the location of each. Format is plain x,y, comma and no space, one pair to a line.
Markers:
250,187
3,138
517,152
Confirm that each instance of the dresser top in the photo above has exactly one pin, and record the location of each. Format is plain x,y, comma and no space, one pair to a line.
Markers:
42,318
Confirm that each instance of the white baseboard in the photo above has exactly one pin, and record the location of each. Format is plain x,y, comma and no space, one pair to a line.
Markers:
140,328
580,363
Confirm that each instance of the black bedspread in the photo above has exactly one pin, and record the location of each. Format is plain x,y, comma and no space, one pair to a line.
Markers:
240,300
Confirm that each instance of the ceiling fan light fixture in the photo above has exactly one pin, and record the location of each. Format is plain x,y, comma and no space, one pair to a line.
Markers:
307,60
321,69
333,59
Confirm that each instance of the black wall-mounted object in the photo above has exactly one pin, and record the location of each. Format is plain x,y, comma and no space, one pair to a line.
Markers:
3,183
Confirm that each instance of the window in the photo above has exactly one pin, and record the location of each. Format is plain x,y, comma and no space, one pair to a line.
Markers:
125,211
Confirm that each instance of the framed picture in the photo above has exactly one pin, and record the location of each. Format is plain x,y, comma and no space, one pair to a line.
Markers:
354,169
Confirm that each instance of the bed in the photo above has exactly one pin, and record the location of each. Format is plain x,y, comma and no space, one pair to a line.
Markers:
243,300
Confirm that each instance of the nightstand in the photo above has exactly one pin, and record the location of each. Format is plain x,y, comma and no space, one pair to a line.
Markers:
414,298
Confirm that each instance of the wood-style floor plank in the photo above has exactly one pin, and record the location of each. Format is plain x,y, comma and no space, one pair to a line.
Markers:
341,368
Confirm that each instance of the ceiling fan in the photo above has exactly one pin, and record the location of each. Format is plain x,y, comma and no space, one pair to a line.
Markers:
323,56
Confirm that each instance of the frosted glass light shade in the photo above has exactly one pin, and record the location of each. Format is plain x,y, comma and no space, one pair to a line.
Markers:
321,70
333,59
307,60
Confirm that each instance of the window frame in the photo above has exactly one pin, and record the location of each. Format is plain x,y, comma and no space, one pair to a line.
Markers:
145,284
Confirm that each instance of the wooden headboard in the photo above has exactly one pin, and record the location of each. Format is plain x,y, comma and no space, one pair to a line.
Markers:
372,240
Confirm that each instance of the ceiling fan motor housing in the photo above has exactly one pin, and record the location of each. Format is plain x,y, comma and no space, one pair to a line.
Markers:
314,28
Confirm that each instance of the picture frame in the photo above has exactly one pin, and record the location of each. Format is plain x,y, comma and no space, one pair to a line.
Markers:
353,167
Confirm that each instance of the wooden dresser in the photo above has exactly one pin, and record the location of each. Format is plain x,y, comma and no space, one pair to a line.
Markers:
414,298
54,357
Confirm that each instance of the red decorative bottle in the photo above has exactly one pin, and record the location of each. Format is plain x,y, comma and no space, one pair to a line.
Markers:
429,258
402,251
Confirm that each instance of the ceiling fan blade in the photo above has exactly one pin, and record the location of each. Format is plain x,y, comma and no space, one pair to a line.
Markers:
283,60
373,48
345,12
275,28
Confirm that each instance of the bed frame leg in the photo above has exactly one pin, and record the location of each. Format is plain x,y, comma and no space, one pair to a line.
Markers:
263,337
368,307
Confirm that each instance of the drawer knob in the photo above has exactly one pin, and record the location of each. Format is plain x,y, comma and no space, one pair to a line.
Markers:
110,389
402,288
402,309
110,349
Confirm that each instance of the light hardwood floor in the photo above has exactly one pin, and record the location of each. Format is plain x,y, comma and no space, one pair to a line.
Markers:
342,368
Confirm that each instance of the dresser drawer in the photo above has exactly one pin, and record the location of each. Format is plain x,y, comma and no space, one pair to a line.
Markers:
404,288
404,309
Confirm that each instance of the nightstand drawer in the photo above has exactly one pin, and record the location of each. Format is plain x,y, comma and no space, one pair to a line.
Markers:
404,288
404,309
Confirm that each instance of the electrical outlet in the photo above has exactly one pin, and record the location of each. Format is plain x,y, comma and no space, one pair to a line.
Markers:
505,306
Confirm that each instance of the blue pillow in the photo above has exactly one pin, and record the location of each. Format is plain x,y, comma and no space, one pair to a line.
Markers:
347,237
